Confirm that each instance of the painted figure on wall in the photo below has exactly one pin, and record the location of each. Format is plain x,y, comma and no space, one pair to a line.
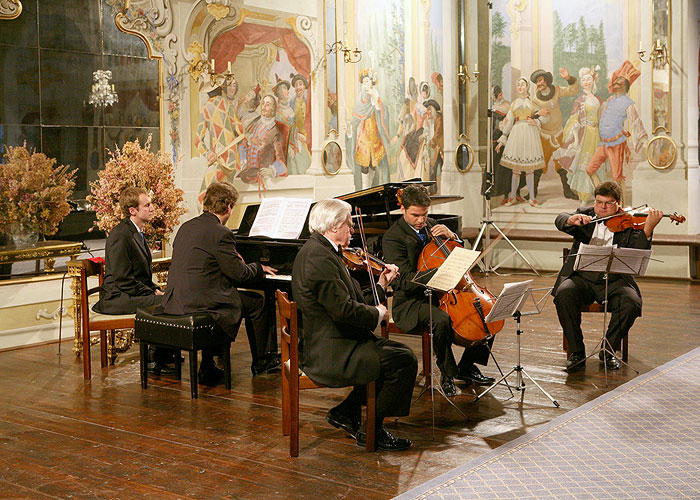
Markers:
220,135
615,141
501,175
434,139
551,134
301,105
415,159
523,149
266,143
581,137
298,156
367,135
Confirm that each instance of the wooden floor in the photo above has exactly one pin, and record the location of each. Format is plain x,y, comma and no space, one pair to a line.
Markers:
63,438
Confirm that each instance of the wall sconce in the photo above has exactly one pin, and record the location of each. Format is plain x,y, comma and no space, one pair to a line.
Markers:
201,67
349,56
658,54
463,73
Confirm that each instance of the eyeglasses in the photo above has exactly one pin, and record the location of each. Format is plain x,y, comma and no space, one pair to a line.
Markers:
606,203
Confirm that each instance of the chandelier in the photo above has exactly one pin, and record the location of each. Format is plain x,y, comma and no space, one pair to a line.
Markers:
102,93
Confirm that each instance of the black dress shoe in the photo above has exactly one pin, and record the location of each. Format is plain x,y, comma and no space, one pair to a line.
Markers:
350,424
474,376
266,365
210,375
386,441
576,362
448,386
611,362
158,368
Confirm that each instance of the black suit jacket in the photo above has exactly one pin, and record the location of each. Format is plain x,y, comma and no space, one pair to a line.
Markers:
205,271
338,343
629,238
402,246
127,270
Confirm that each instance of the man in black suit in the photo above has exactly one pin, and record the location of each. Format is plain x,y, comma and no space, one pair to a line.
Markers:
204,274
128,280
576,288
402,245
339,347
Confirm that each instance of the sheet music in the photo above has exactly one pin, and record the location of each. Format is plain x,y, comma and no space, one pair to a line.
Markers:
453,269
281,217
509,300
624,260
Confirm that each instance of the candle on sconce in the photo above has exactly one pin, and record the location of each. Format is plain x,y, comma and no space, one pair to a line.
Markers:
126,4
228,69
212,64
476,68
112,87
640,46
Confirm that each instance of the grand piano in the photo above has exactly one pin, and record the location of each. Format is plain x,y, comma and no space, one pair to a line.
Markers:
379,208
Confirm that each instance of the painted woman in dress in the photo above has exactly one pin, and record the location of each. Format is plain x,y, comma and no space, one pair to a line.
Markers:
521,138
581,137
298,156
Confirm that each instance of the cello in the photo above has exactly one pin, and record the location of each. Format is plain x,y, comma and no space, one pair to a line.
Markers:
468,304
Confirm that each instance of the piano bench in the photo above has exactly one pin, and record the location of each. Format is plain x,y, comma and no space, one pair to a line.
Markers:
190,332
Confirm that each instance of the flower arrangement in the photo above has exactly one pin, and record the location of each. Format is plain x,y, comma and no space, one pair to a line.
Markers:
33,191
133,165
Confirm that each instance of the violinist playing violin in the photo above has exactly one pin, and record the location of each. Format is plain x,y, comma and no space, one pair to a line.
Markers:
339,347
573,289
402,245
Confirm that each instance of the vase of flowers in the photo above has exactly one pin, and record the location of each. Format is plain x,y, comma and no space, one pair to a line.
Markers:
33,195
134,165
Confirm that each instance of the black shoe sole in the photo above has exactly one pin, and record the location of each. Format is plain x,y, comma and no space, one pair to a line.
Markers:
338,425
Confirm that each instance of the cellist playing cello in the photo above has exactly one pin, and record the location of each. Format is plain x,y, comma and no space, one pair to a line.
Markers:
402,245
576,288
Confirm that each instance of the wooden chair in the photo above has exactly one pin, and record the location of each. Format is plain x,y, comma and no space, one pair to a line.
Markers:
92,321
594,308
294,381
391,327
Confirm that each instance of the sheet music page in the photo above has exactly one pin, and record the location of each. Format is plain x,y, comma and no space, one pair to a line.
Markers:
508,301
593,258
630,261
281,217
453,269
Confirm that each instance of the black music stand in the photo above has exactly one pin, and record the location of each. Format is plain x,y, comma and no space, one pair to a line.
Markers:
610,259
513,298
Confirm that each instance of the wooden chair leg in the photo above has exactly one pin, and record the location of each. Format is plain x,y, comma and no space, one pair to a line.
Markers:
294,415
286,411
143,357
371,416
86,354
193,374
178,364
103,348
427,362
227,366
625,348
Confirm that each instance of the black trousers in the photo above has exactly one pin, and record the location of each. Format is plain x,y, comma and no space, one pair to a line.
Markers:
624,304
397,376
443,338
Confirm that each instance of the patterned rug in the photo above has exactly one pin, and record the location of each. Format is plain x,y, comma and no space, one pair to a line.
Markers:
639,441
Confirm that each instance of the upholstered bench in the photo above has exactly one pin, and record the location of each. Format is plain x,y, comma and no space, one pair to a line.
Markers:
191,333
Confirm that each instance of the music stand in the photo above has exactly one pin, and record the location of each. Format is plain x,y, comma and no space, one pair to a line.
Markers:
610,259
512,299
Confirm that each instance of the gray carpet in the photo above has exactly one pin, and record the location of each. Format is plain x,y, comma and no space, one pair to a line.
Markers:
638,441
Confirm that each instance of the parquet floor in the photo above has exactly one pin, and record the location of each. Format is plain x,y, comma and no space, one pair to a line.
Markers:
63,438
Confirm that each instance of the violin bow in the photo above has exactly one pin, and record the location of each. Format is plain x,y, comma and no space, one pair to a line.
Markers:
372,282
622,211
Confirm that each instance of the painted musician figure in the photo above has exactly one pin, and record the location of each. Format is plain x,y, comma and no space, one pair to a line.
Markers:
339,347
402,245
573,289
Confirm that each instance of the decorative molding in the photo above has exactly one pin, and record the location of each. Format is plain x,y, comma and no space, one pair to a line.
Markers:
218,8
60,311
303,28
10,9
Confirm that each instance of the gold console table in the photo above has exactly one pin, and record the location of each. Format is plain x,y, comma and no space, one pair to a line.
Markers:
160,268
47,250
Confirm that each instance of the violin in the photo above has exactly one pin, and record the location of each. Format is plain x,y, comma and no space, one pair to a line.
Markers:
357,259
468,304
628,219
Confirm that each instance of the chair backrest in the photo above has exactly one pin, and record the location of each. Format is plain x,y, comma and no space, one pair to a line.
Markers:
88,268
290,332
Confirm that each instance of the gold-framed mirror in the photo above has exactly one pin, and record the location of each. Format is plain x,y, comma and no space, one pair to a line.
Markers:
662,152
332,158
464,157
661,67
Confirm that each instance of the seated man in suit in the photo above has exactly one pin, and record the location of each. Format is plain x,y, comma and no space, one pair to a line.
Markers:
128,278
573,289
339,347
402,245
204,274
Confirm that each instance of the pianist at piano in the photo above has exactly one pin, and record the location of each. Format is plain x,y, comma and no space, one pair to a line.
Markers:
402,245
340,348
204,275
